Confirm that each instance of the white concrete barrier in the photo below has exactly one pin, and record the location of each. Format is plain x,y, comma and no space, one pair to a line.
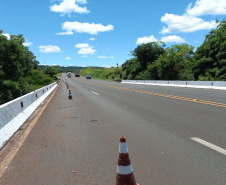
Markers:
193,84
14,113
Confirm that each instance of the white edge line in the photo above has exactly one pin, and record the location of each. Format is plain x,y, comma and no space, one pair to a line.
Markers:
210,145
95,93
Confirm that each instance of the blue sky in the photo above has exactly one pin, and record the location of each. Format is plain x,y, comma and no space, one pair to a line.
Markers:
103,32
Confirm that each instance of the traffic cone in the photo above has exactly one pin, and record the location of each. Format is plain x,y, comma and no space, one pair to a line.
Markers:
67,86
70,95
124,169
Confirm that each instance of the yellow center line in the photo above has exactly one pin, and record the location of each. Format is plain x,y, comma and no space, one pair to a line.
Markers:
218,104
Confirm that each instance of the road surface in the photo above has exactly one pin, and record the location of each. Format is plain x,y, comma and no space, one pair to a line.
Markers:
175,136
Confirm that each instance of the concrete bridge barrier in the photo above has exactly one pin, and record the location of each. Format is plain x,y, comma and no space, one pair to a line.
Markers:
14,113
194,84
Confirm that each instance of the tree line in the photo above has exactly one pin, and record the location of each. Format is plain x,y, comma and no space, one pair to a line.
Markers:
19,71
154,61
103,73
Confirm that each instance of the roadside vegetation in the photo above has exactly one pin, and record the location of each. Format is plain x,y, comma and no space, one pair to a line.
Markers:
154,61
19,71
103,74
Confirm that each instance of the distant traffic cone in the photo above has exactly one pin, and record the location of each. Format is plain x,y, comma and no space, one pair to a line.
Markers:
124,169
67,86
70,95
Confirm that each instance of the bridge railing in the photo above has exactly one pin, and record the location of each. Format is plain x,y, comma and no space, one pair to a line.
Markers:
14,113
195,84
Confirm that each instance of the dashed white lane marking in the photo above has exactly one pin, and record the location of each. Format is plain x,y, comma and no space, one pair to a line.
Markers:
210,145
95,93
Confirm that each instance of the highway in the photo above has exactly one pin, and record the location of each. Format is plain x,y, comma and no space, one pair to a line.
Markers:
175,136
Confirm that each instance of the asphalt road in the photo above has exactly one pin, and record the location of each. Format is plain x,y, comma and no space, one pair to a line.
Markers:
175,136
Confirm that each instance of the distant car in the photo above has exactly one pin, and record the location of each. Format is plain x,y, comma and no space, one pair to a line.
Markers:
77,73
88,76
69,74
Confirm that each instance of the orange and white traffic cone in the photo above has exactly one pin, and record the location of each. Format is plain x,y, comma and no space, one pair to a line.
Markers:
124,169
70,95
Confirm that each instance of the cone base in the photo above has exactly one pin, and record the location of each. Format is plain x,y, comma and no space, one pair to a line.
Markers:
125,179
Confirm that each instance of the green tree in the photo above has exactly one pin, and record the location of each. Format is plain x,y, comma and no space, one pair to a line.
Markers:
131,68
175,63
211,56
15,58
148,53
9,91
18,69
153,71
51,70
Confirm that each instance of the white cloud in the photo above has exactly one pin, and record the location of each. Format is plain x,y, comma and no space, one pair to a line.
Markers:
207,7
105,57
65,33
49,49
27,44
108,65
79,27
55,65
82,45
189,22
54,0
69,6
172,38
6,35
68,58
185,23
70,65
81,1
85,49
145,40
92,39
